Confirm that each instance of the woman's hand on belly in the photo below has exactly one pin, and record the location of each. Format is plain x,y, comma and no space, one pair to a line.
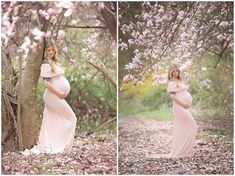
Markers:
186,106
49,86
62,95
175,98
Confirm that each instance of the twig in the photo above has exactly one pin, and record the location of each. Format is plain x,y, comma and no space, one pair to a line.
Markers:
9,107
102,126
85,27
10,132
104,74
10,97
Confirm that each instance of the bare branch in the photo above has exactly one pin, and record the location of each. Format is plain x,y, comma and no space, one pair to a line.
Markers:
87,27
104,74
102,126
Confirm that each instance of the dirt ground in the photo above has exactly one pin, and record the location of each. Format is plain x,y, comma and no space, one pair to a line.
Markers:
140,138
95,154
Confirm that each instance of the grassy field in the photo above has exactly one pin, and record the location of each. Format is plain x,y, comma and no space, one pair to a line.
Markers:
128,107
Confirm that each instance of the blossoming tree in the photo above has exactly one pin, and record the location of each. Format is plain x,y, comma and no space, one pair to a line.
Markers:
162,33
26,27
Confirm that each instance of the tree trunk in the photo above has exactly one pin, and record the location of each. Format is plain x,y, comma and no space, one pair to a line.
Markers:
29,110
108,17
28,87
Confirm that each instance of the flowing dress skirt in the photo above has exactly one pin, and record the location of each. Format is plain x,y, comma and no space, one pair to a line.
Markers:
59,121
184,128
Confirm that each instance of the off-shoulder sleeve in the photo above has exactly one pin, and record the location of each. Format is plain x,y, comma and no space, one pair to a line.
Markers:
46,70
171,88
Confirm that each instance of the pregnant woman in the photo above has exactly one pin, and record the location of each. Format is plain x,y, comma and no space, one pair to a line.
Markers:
184,126
59,121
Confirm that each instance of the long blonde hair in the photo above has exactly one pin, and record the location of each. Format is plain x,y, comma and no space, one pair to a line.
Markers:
171,68
53,60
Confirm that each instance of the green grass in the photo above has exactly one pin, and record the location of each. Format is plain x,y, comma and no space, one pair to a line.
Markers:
130,107
134,106
159,115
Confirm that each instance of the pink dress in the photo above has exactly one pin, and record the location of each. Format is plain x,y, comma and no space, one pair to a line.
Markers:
59,121
184,126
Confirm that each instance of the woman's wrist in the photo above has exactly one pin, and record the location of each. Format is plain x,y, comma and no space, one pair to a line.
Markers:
58,93
49,86
178,101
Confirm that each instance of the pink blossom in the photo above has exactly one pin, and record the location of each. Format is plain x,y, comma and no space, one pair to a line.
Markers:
65,4
65,49
51,12
68,13
139,24
5,23
8,28
146,31
186,20
61,35
131,41
146,16
147,54
201,50
230,38
134,34
146,4
38,35
26,152
44,14
26,46
128,78
149,23
164,18
129,66
181,14
12,3
123,46
161,11
159,79
206,83
48,33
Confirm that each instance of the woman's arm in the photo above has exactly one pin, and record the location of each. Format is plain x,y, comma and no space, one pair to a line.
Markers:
49,86
174,98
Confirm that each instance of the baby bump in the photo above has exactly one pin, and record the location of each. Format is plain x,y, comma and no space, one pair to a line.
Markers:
185,97
61,84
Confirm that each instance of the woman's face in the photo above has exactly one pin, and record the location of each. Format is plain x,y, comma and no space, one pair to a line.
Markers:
50,52
175,73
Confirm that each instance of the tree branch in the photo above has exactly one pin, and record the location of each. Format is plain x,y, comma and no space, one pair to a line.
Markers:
104,74
87,27
102,126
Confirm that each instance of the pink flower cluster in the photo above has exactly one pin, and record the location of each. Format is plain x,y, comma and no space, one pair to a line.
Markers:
181,30
8,24
11,17
57,9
